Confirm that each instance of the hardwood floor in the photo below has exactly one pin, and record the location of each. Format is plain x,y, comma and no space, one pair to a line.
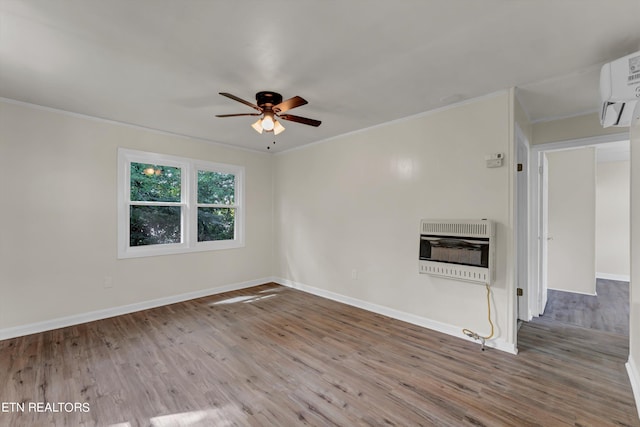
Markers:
275,356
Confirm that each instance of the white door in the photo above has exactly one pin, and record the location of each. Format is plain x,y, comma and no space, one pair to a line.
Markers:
571,220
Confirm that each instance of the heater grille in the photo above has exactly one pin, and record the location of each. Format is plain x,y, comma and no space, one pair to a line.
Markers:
457,228
460,272
451,249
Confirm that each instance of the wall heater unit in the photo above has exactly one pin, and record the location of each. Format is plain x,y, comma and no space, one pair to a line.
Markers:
461,250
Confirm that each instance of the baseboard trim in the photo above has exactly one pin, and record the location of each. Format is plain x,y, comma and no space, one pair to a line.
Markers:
595,294
424,322
617,277
91,316
634,378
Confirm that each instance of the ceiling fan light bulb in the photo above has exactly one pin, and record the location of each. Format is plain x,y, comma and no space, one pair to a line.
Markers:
277,127
267,123
257,126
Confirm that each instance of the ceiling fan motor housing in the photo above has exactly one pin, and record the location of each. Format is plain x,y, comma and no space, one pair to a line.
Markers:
268,99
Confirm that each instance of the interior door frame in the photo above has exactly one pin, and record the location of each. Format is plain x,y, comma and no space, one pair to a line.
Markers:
537,220
521,225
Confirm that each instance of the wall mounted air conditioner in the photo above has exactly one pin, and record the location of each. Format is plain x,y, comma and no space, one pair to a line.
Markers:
620,91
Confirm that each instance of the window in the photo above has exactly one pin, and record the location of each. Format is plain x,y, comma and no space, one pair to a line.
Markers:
169,205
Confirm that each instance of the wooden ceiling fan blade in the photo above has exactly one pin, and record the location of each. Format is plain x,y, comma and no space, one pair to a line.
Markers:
235,98
290,103
298,119
236,115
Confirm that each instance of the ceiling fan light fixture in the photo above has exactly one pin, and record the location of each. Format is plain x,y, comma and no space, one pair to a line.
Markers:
277,127
257,126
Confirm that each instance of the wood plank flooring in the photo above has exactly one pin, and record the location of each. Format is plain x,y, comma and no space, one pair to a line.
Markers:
275,356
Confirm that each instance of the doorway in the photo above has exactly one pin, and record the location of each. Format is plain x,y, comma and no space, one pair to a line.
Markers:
539,221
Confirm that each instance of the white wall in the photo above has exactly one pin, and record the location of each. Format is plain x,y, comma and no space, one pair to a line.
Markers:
348,212
572,128
612,220
571,224
58,217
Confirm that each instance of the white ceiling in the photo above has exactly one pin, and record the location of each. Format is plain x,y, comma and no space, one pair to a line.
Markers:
161,63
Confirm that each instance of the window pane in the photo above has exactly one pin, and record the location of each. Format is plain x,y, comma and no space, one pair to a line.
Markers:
216,188
216,224
154,183
154,225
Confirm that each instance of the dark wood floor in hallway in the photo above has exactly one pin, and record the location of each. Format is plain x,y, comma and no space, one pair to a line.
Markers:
276,356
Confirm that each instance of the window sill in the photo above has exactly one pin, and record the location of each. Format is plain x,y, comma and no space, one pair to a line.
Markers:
159,250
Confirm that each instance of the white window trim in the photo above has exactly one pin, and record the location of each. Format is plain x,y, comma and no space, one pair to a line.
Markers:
188,202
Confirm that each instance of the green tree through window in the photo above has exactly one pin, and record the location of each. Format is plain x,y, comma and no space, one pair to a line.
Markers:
152,224
216,214
155,183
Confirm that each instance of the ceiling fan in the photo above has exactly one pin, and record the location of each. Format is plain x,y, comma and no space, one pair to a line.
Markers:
270,106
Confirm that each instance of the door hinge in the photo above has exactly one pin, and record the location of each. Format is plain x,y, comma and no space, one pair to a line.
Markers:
519,292
519,167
